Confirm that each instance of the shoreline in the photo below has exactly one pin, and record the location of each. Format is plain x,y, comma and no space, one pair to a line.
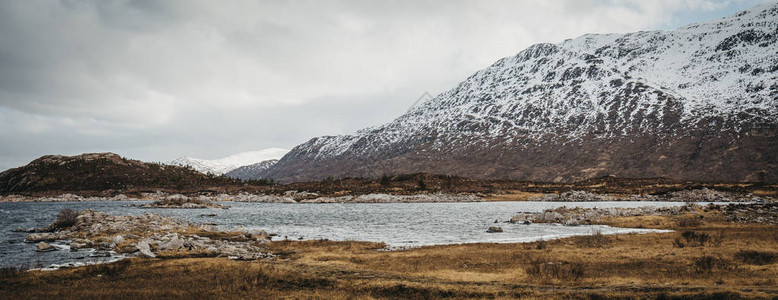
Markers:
688,196
715,258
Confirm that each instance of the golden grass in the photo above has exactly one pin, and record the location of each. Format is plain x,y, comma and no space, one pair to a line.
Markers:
733,260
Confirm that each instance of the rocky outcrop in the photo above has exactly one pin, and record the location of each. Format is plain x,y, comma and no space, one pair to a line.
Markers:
584,216
150,236
181,201
763,213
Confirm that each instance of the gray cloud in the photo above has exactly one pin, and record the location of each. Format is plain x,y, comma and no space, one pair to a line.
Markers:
154,80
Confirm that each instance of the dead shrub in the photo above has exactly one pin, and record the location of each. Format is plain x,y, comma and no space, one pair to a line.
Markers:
689,221
705,265
691,239
66,218
754,257
547,272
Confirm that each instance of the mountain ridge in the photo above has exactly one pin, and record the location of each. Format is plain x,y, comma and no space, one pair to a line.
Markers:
698,102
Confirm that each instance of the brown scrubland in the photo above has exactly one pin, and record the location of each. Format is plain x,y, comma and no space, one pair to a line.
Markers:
705,257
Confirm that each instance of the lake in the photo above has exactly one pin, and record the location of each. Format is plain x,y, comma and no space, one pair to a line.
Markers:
396,224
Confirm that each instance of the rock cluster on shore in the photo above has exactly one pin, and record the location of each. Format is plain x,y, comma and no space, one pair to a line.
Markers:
763,213
150,235
584,216
181,201
693,195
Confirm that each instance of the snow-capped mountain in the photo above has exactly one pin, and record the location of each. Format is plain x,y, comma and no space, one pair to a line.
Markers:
229,163
251,171
699,102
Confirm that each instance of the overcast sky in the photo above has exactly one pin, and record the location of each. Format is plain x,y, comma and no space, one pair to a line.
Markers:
155,80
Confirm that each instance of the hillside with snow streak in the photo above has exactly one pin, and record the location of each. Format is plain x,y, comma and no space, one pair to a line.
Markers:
223,165
699,102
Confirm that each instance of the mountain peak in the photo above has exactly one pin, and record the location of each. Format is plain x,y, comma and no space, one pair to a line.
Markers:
699,102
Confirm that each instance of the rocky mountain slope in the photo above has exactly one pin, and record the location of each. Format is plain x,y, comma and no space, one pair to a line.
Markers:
699,102
101,172
226,164
251,171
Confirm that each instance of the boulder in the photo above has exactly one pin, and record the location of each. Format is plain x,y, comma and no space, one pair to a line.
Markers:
494,229
76,245
145,249
522,218
117,240
43,247
173,244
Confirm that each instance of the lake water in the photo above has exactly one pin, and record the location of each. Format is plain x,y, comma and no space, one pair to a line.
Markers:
396,224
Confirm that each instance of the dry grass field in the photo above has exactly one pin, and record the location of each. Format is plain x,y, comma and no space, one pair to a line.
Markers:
704,259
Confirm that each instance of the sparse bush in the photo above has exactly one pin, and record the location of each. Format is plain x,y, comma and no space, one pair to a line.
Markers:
550,271
422,185
705,265
385,179
756,257
66,218
678,243
689,221
691,239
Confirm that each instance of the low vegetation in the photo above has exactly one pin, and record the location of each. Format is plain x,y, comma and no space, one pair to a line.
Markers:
719,260
65,219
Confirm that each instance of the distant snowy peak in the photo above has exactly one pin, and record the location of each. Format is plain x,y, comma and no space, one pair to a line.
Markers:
223,165
251,171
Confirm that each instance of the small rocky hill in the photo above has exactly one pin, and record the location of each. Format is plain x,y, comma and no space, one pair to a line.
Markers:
101,172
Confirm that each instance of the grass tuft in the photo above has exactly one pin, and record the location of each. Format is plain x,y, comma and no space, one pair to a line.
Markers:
756,257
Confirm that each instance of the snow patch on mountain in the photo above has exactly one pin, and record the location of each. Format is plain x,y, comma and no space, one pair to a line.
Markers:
229,163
